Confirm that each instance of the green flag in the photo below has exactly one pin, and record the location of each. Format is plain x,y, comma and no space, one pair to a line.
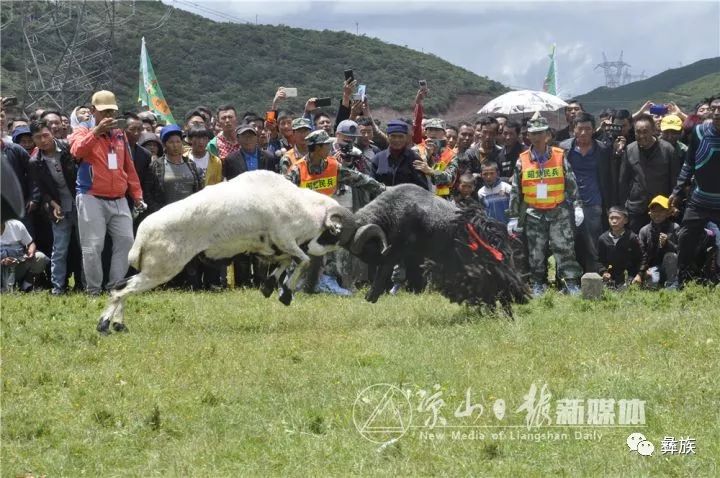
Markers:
149,92
550,83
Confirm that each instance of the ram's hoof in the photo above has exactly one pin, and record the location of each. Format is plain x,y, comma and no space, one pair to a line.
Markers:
103,326
268,287
119,327
371,297
285,296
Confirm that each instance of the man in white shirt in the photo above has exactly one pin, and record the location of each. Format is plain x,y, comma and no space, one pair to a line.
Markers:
20,258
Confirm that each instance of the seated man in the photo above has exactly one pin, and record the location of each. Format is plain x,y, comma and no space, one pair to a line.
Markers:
658,241
20,259
618,250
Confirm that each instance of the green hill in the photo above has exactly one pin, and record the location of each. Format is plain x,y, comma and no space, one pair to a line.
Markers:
199,61
685,86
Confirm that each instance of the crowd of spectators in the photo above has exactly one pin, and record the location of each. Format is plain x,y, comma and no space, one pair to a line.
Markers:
634,197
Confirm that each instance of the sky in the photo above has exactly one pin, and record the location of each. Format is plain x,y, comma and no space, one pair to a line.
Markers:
509,41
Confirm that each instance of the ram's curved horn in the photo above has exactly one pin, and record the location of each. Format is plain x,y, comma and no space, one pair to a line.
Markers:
364,234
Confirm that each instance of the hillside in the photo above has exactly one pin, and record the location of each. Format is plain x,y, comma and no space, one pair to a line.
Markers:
685,86
199,61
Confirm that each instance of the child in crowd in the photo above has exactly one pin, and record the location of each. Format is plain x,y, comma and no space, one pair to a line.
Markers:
20,258
466,187
494,193
618,250
658,241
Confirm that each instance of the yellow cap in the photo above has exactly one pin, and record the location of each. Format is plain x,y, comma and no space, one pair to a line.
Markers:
672,122
104,100
661,201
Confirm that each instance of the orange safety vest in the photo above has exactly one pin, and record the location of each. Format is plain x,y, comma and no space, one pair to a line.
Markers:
292,156
552,175
445,158
326,182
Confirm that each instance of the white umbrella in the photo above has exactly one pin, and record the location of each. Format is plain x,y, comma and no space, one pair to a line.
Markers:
523,101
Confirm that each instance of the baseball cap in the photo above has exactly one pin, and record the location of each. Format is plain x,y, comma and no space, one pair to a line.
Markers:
169,130
244,129
671,122
104,100
661,201
537,124
397,126
434,123
319,136
348,128
300,123
19,131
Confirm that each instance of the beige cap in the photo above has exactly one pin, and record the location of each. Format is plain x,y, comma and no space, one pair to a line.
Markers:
104,100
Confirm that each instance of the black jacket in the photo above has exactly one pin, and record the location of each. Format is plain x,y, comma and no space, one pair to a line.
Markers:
652,254
392,171
19,159
626,255
645,174
234,165
142,159
40,172
507,158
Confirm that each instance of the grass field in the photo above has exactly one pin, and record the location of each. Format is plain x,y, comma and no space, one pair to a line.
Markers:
232,384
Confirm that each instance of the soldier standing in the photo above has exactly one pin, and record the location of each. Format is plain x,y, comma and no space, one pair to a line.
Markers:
543,184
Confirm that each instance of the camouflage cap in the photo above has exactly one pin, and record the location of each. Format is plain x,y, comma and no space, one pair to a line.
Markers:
537,124
300,123
434,123
318,136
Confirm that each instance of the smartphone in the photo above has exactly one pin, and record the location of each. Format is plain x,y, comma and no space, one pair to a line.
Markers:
121,123
658,110
271,116
360,94
290,92
10,101
320,102
349,75
423,84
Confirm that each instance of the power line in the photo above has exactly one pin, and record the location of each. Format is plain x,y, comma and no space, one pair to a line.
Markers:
209,11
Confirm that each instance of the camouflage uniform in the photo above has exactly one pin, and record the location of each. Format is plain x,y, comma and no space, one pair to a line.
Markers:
339,263
553,227
285,161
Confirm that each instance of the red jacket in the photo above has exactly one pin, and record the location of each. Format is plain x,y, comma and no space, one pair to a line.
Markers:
94,176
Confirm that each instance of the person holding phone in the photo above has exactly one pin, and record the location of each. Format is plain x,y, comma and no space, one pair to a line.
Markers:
106,174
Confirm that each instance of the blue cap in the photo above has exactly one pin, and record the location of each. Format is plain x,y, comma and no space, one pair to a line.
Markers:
397,126
169,130
19,131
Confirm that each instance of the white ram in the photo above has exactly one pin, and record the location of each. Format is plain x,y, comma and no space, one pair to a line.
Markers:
258,212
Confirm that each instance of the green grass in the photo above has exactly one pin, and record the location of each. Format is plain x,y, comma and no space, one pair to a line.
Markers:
232,384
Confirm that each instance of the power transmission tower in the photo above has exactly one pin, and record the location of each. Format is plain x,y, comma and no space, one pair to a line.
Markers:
68,50
614,71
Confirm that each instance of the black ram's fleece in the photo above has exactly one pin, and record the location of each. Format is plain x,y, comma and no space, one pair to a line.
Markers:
420,224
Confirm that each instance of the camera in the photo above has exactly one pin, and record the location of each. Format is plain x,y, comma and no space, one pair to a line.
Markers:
349,155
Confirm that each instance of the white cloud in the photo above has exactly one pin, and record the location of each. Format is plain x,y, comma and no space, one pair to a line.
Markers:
510,41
